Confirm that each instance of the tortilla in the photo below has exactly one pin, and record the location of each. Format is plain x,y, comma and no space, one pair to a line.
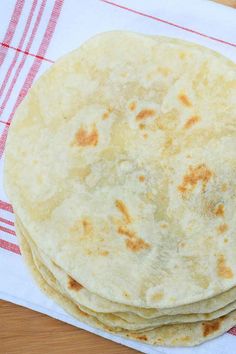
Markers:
171,335
71,289
114,196
120,164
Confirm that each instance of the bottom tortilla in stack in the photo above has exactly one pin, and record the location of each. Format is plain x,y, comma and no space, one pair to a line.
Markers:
178,334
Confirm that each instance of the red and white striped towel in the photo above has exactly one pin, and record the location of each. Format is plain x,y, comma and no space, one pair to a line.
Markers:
33,34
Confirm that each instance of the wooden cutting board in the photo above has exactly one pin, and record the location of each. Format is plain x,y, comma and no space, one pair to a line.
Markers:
27,332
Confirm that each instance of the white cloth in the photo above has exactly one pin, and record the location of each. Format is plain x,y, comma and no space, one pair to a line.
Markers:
199,21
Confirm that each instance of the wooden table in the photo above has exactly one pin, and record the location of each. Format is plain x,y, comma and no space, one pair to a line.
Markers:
23,331
231,3
27,332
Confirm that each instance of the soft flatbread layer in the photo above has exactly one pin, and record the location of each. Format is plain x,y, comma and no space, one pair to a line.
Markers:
171,335
220,304
70,288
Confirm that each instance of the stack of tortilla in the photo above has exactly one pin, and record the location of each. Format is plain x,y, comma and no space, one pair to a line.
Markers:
121,168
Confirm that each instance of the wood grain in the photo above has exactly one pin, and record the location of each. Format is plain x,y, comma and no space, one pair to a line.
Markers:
231,3
27,332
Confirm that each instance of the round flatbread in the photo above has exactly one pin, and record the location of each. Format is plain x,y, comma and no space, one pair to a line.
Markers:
121,161
170,335
98,304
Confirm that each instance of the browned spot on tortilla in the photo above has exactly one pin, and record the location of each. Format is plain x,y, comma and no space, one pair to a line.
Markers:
126,294
157,296
87,226
142,337
185,100
104,253
219,210
194,175
108,328
137,244
73,284
191,121
223,270
86,138
141,126
133,242
105,115
182,244
83,313
163,225
132,106
124,231
224,187
145,136
141,178
226,240
211,326
222,228
124,210
145,113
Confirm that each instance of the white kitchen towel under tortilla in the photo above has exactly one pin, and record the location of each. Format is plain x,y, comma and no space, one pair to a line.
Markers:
33,34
